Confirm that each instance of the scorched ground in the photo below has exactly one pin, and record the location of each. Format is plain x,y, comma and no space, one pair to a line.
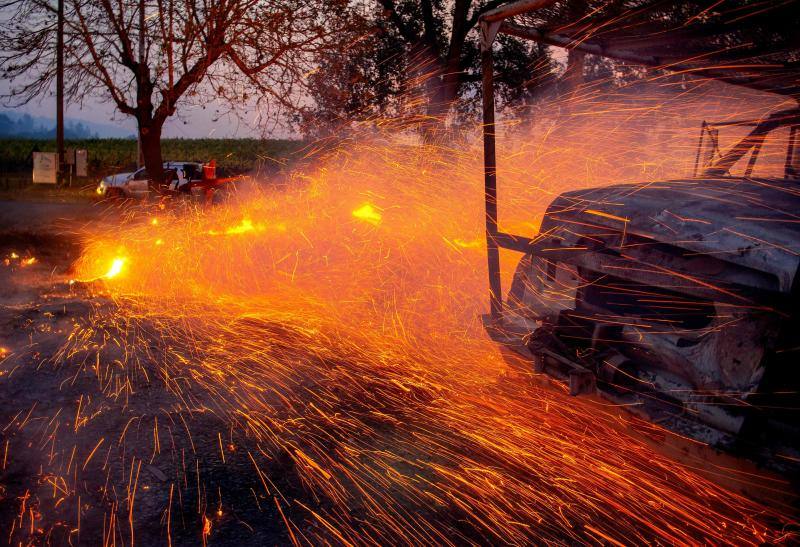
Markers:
306,364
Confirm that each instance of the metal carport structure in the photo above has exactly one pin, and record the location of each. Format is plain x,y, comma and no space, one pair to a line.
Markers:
692,48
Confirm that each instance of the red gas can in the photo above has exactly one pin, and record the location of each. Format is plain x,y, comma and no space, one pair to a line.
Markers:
210,170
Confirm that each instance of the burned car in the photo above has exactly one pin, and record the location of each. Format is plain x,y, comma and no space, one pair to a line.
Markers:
677,299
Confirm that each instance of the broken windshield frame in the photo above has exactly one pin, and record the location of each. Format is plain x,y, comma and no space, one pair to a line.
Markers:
752,142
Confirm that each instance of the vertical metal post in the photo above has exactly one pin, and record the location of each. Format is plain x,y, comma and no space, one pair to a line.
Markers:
789,166
699,149
754,155
490,184
60,93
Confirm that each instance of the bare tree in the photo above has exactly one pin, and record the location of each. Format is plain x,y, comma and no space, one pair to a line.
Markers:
150,56
437,33
442,44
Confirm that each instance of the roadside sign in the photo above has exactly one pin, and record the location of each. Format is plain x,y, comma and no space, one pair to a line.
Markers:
69,156
45,165
81,163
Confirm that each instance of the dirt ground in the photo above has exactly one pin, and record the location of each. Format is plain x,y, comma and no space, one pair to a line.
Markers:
83,462
56,422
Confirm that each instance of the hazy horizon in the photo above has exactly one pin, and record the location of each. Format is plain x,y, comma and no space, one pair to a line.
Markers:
190,121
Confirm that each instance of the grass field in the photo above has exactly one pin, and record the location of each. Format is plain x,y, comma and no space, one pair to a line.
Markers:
233,156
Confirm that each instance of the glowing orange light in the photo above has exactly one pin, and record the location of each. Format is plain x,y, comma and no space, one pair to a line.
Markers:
245,226
468,244
368,213
115,269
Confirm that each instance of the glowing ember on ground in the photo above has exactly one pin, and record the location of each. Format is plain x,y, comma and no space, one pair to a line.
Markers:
115,269
245,226
349,369
15,259
368,213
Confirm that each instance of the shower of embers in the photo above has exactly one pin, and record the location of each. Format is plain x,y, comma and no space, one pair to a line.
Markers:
305,364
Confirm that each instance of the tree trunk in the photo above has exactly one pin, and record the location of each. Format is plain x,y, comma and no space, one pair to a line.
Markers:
573,77
448,77
442,95
444,82
150,136
445,90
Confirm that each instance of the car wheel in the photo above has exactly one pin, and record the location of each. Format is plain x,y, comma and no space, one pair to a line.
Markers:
114,194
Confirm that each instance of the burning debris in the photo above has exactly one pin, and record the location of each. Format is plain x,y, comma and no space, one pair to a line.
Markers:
305,363
13,259
300,366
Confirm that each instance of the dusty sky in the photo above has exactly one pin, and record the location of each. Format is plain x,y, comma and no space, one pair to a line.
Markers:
190,122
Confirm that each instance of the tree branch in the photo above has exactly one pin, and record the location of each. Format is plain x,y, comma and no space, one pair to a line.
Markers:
405,31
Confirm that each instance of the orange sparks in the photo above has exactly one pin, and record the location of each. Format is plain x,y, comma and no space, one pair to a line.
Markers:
349,365
206,529
245,226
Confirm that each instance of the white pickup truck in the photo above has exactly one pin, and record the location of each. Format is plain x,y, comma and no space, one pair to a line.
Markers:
136,184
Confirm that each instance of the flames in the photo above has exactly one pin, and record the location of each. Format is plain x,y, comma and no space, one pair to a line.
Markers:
115,269
357,355
14,259
368,213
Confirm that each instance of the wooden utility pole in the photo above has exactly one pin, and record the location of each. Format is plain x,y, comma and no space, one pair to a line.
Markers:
140,155
60,92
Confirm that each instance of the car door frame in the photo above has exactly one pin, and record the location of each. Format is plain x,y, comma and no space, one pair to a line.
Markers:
138,187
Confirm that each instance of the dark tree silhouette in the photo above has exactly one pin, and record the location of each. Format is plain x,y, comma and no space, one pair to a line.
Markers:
419,57
149,56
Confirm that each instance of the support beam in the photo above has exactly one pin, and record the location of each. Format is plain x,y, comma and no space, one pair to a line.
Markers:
490,186
758,80
515,8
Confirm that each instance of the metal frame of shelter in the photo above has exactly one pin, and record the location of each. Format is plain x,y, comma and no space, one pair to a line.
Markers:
663,49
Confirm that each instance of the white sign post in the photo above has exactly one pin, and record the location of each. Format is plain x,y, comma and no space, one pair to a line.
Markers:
45,166
81,163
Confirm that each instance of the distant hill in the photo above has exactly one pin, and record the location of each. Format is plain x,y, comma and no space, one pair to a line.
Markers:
25,126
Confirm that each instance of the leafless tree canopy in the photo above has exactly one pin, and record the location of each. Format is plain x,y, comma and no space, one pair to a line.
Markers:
148,56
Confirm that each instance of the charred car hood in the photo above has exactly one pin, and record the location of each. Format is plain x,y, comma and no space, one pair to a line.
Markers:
753,223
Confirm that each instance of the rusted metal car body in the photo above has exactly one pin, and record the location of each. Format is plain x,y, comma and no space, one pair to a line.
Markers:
678,299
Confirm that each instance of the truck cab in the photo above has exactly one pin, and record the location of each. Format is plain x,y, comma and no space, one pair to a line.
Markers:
679,300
